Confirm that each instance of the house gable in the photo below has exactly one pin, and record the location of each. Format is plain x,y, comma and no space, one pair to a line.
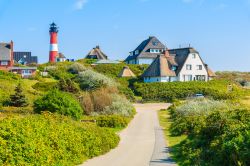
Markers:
193,67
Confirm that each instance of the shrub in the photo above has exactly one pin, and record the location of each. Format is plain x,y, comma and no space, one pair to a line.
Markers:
223,140
18,99
90,80
51,140
67,85
59,102
86,103
76,68
111,121
181,90
45,86
101,99
120,106
189,117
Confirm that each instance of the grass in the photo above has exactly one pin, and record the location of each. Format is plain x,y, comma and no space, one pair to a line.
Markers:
246,101
171,141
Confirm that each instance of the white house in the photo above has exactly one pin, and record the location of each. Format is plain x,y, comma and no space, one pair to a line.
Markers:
184,64
146,52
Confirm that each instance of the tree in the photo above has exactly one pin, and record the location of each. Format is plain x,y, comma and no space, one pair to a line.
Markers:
18,99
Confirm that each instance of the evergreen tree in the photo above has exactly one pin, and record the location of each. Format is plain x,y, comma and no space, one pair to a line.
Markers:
18,99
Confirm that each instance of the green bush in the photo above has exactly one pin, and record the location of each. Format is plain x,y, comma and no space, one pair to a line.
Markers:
111,121
120,106
223,140
76,68
59,102
113,70
90,80
181,90
67,85
45,86
218,133
189,116
51,140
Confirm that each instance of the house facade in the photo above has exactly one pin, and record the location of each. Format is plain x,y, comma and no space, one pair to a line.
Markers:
25,72
146,52
25,58
184,64
6,55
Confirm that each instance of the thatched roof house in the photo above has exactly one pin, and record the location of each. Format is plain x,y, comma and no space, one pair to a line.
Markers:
126,72
184,64
96,53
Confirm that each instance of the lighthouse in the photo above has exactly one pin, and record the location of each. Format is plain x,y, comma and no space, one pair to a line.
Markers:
53,43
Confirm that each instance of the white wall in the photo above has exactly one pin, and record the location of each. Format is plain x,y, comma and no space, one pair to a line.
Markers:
160,79
145,61
194,62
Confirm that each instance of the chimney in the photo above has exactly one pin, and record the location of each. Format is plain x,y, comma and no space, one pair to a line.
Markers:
166,53
12,53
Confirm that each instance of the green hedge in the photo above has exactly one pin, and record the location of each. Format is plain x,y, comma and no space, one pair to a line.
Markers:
51,140
181,90
111,121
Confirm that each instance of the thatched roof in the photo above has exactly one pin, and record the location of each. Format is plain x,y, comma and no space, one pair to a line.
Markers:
126,72
210,72
144,48
159,68
96,53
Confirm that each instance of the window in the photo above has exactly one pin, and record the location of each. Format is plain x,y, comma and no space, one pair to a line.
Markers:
199,67
4,63
131,53
200,78
188,67
136,52
174,68
193,56
187,77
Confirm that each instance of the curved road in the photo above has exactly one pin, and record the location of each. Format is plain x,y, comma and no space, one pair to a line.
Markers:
142,142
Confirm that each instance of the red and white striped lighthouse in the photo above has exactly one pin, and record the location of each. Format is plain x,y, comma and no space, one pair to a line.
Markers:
53,43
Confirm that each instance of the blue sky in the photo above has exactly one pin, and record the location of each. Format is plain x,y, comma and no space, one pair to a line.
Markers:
218,29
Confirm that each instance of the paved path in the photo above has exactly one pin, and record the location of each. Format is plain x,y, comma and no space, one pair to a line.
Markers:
142,142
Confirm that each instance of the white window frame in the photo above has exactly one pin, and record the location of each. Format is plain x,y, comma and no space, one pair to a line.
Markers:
193,56
188,67
199,67
4,63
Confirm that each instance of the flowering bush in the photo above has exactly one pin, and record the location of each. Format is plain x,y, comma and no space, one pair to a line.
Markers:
120,106
76,68
90,80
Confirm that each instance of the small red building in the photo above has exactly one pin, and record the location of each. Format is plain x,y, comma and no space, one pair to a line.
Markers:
25,72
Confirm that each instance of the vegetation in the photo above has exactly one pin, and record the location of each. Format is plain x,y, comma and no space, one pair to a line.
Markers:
217,134
51,140
18,99
181,90
90,80
242,78
59,102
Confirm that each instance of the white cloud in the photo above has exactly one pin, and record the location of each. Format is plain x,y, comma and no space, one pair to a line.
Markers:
79,4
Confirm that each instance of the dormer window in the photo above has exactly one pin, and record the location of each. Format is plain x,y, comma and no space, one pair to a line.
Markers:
136,52
155,50
173,68
131,53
